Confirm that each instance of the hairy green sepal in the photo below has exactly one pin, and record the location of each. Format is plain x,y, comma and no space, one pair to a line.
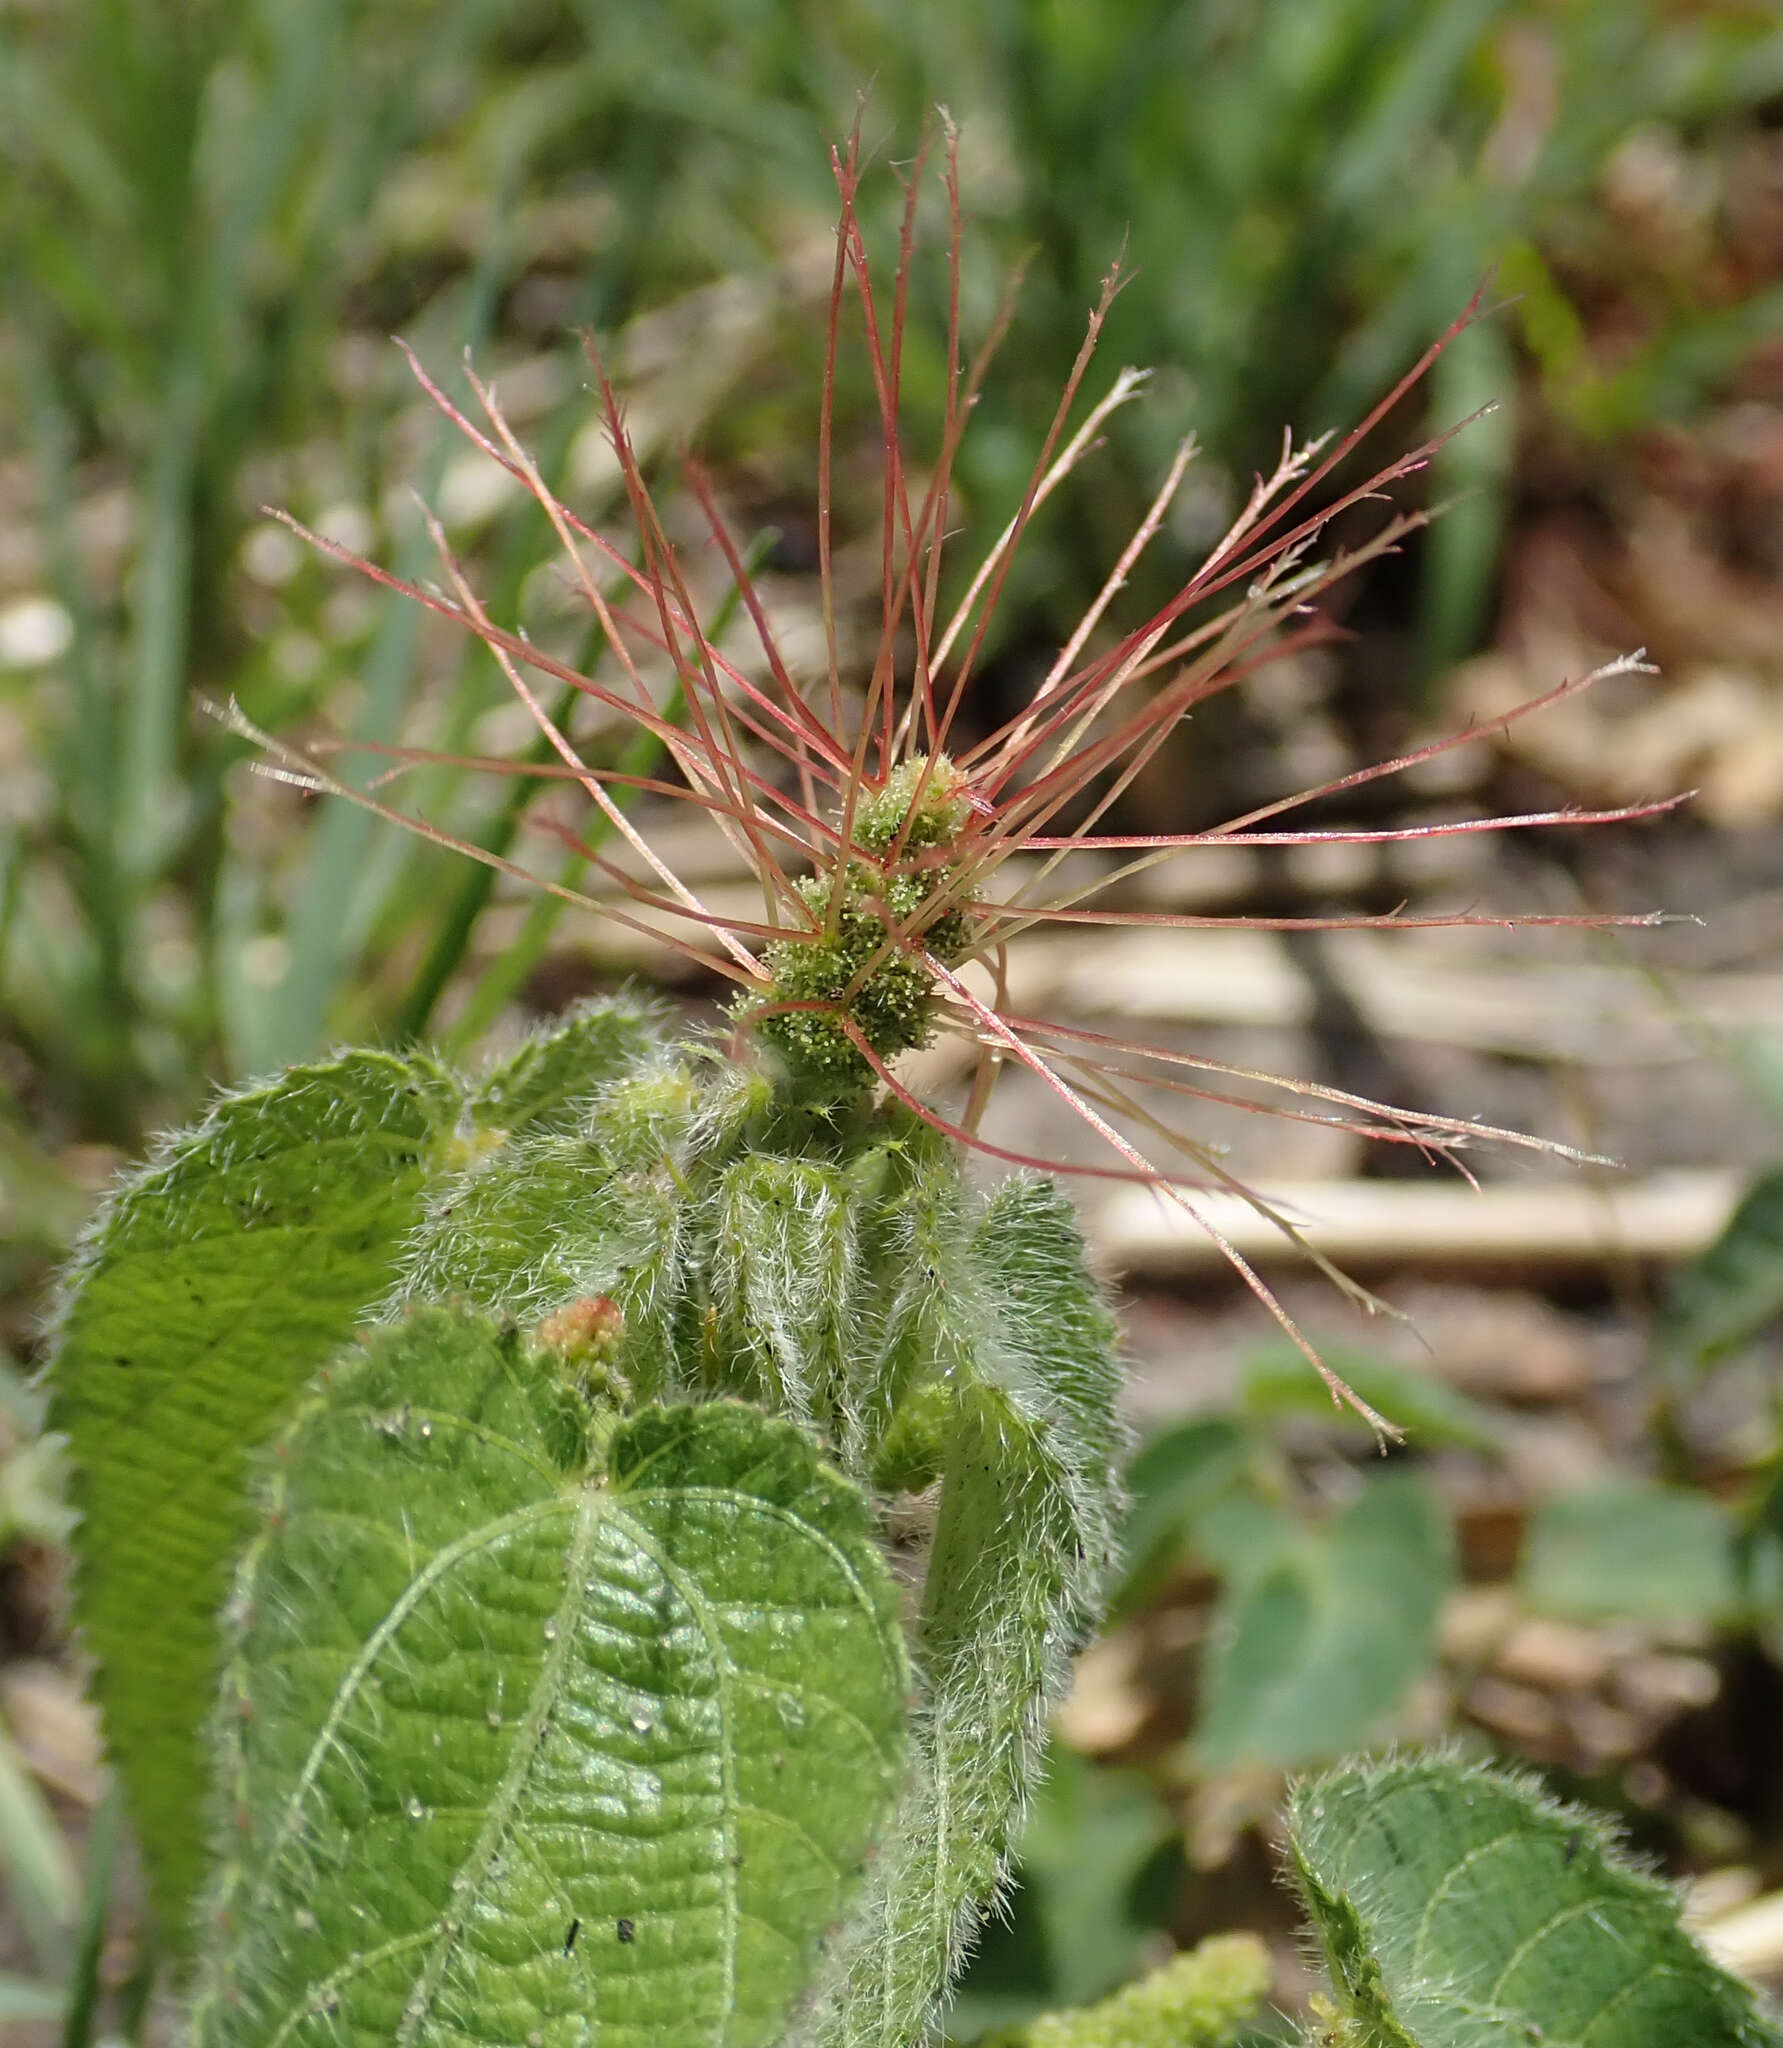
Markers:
1021,1420
552,1080
1459,1907
208,1291
542,1725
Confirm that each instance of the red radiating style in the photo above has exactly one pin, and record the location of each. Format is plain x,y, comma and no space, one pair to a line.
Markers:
788,770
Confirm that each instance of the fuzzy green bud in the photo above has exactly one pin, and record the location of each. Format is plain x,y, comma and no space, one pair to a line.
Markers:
1197,2000
583,1340
855,965
941,810
914,1450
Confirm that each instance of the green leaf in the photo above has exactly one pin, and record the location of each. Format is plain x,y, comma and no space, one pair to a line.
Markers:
786,1308
918,1220
1100,1867
1309,1655
1055,1345
1172,1481
533,1736
208,1291
545,1219
34,1853
1024,1543
1727,1294
993,1635
554,1078
1459,1907
1632,1551
1246,1533
1276,1383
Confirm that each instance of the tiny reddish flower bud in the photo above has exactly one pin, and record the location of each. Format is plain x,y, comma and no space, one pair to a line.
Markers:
583,1333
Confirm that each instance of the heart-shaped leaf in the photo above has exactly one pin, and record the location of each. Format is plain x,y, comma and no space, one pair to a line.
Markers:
545,1727
550,1082
211,1288
1459,1907
1315,1645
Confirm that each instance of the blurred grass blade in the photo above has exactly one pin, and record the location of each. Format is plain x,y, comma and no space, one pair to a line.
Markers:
290,1022
21,1999
1409,102
84,1987
300,71
477,884
96,1005
40,1875
1472,472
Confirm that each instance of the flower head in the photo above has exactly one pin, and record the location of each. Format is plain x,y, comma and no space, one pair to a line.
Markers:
897,855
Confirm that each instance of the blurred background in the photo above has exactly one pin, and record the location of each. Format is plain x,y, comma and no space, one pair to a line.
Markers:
213,216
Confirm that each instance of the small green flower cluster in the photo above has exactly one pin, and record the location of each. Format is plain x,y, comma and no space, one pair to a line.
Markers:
859,966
